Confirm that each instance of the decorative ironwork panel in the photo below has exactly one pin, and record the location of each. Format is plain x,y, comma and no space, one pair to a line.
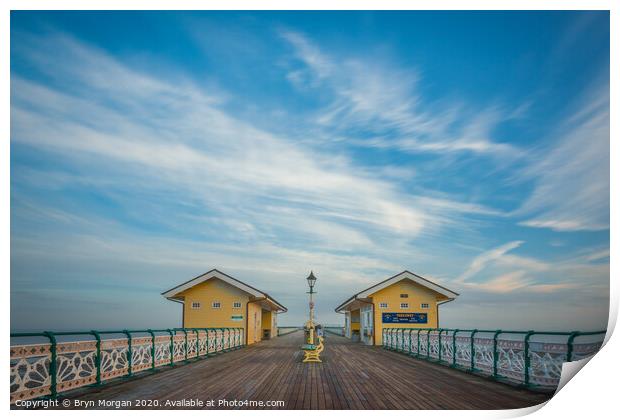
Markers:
114,360
463,351
546,361
141,356
483,355
212,341
446,346
162,350
76,364
203,348
406,340
178,348
510,359
399,338
192,341
423,346
433,343
226,338
219,340
413,338
30,376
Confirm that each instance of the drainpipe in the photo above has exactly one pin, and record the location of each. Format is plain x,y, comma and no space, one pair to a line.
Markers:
183,314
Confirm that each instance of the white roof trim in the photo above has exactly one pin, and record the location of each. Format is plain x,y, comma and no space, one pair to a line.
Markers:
410,276
209,275
344,305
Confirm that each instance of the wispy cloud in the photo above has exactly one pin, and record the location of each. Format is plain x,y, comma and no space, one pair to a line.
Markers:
481,261
498,270
382,105
571,177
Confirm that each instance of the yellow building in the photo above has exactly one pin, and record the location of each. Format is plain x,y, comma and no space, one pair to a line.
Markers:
217,300
403,301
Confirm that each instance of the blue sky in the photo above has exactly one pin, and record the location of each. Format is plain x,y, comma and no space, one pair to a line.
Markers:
469,147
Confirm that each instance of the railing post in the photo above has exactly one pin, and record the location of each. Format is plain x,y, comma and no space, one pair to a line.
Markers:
428,343
569,346
526,358
402,340
186,345
98,357
439,341
129,353
454,347
53,364
410,341
419,330
473,349
197,342
395,336
497,333
206,342
152,349
171,346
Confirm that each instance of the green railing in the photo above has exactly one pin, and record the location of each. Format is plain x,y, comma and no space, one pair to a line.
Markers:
65,362
529,358
335,330
287,330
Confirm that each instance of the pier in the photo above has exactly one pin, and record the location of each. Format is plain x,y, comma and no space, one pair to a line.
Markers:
352,376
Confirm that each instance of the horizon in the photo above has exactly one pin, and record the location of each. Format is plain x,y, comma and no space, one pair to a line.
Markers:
470,148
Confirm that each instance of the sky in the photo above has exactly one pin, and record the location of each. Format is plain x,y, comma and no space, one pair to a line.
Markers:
471,148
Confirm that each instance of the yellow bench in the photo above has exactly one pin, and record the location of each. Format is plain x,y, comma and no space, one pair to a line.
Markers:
312,351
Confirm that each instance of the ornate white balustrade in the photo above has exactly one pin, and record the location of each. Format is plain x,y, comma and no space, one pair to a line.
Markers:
57,366
529,358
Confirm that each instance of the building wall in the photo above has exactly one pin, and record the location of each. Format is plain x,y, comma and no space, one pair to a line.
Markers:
226,316
416,296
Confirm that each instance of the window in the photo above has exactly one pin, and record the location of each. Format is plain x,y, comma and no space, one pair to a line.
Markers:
425,306
383,305
404,295
404,306
236,305
216,305
195,305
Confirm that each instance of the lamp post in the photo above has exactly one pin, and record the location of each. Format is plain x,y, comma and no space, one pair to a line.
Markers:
311,282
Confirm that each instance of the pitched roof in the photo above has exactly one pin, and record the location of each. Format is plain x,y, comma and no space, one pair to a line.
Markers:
169,294
408,275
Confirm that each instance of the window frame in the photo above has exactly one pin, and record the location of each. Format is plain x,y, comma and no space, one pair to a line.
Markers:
404,305
404,295
237,305
425,306
216,304
195,305
383,305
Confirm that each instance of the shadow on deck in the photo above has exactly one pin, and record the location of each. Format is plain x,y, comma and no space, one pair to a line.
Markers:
352,376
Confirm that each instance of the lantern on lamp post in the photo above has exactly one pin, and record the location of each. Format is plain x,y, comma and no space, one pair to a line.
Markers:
311,282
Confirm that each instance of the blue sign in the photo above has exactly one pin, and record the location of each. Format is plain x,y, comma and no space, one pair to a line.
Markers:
404,318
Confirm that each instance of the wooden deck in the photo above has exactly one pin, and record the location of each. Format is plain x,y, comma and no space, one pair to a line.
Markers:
352,376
